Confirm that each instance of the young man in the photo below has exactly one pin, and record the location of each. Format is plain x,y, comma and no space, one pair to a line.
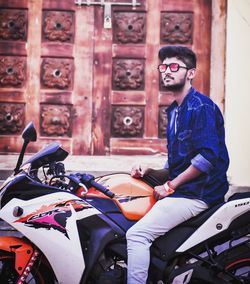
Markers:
197,160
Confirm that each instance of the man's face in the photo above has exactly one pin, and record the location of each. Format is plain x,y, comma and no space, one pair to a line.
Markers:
174,81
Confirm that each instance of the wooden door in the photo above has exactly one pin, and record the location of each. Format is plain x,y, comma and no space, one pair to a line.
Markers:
96,90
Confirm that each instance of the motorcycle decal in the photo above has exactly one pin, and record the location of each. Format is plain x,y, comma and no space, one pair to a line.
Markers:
134,207
53,216
242,204
129,198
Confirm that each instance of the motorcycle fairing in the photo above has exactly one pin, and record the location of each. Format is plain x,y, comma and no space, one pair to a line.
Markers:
50,153
217,223
105,205
64,246
108,207
166,245
24,187
184,273
54,216
95,237
121,221
22,249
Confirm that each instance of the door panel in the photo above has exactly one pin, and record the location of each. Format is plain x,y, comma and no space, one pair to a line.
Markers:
138,119
95,90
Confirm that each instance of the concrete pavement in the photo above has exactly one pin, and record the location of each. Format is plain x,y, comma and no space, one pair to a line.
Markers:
95,165
99,165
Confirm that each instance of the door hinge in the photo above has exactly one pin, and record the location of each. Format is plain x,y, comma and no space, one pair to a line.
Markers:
107,20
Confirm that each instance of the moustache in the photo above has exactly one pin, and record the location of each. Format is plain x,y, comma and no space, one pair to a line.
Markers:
167,76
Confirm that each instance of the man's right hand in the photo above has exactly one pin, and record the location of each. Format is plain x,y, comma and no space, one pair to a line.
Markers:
138,171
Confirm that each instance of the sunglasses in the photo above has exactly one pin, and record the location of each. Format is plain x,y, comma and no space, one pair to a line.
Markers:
174,67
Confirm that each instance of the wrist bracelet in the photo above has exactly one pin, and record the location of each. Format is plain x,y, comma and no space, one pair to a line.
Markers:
168,188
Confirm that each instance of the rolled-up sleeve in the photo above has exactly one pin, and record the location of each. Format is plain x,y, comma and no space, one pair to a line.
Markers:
201,163
205,138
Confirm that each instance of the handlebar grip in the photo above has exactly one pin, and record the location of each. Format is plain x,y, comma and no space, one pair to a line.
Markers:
102,188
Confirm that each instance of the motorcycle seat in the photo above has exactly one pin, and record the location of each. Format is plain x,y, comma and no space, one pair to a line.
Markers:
198,220
167,244
239,195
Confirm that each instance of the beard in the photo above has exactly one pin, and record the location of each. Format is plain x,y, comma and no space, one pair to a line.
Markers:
176,86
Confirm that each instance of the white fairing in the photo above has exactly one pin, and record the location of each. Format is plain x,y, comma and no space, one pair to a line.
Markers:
217,223
183,278
60,242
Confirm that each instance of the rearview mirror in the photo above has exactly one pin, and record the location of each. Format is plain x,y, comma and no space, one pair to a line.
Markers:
29,132
28,135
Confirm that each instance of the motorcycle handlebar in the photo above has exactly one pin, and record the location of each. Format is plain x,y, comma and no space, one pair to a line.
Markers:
82,179
89,181
102,189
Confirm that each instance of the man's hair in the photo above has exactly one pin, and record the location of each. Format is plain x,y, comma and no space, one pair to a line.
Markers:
183,53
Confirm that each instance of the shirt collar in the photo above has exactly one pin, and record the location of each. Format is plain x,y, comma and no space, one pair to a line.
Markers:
185,101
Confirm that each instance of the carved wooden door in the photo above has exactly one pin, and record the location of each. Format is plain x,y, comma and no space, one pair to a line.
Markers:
133,101
95,90
46,50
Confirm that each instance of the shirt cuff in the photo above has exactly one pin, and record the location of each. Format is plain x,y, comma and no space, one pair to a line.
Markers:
201,163
166,166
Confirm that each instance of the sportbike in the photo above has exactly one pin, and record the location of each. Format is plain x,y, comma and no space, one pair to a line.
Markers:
71,228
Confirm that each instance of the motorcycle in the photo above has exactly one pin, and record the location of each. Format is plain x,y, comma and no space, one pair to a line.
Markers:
72,228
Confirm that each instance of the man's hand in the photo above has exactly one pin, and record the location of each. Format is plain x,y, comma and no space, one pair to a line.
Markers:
138,171
162,191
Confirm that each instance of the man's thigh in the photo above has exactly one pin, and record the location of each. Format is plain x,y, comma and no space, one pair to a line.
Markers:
166,214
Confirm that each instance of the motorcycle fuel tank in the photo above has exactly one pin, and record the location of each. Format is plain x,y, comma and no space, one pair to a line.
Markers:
133,196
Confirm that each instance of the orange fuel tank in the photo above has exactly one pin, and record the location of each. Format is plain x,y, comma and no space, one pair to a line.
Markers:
133,196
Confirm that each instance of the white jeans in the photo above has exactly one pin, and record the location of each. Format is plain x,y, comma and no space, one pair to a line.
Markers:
166,214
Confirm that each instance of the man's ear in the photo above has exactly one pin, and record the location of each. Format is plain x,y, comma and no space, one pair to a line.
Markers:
191,73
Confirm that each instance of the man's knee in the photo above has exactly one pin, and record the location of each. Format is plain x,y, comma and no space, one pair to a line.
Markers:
135,235
130,234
